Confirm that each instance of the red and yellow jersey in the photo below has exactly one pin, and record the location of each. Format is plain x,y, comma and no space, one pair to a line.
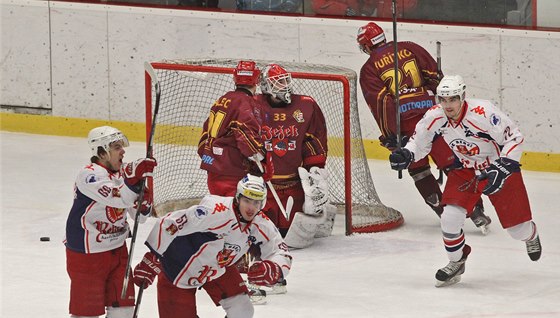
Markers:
296,134
418,79
231,134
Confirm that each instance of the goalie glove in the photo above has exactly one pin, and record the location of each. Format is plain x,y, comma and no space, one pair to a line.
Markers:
265,273
497,174
315,187
135,171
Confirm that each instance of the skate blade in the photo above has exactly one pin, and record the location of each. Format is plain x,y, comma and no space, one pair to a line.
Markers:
485,229
277,290
451,281
258,300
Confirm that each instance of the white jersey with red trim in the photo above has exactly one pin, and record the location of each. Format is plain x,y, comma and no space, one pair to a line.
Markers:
196,244
97,221
482,134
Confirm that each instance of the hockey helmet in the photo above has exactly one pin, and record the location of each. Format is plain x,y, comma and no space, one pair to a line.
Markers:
246,73
370,35
103,137
252,187
276,81
451,85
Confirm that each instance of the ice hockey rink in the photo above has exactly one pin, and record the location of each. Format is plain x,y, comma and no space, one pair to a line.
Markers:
388,274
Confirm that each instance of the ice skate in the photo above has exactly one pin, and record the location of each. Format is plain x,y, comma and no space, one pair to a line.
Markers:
451,274
276,289
534,248
256,295
481,220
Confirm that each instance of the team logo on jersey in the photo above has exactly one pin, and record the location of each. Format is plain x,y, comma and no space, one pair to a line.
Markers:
172,229
219,207
206,275
464,147
201,212
298,116
226,256
114,214
116,193
280,147
495,119
90,178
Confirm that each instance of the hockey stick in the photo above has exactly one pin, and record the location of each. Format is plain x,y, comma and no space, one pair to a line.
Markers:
285,211
438,57
138,301
396,60
149,151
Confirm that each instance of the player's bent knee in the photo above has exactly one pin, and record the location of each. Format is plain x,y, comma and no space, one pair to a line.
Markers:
420,173
453,219
522,232
120,312
238,306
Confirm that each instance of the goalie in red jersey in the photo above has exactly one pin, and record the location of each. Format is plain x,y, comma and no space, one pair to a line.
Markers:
418,80
294,133
231,144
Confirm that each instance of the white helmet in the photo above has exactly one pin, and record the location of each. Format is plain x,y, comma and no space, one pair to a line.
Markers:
252,187
103,137
451,85
276,81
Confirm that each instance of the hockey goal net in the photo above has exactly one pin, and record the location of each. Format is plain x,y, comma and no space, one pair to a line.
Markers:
190,87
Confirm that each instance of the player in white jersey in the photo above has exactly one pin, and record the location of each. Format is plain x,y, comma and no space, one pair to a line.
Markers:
488,145
96,229
198,247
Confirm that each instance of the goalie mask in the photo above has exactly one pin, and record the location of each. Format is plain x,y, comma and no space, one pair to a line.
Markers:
246,73
369,36
103,137
277,82
252,187
451,85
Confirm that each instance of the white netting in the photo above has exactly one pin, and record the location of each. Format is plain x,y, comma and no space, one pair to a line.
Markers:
186,97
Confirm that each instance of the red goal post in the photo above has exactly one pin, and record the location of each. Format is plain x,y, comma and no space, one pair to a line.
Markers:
189,87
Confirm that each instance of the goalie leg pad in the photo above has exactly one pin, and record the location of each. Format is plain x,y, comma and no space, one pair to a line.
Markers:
303,229
325,229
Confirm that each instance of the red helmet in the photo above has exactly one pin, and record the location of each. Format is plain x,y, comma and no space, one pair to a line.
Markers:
370,35
276,81
246,73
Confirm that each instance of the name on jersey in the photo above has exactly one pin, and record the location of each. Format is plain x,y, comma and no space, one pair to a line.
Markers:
387,59
279,132
416,105
222,102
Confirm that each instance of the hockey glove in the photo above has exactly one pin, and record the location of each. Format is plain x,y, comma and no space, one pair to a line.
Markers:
350,12
390,142
147,202
147,270
497,174
265,273
136,170
400,159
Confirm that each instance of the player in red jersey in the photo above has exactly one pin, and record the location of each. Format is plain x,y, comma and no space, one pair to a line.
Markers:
418,79
295,133
231,142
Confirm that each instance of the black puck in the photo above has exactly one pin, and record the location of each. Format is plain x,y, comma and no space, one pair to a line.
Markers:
45,239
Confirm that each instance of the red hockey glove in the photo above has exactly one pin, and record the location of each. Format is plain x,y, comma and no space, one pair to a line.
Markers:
268,167
147,270
136,170
147,202
265,273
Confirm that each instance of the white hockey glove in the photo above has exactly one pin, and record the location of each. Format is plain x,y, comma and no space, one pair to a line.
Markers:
316,190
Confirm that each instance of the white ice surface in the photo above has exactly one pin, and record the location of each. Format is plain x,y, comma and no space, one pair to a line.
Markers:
387,274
